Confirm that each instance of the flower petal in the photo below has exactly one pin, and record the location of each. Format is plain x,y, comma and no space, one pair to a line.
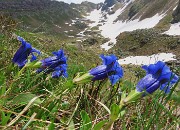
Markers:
98,70
117,69
33,58
39,70
47,62
35,50
56,74
172,79
22,40
65,74
153,87
59,53
21,55
154,68
165,87
145,83
56,64
107,60
60,70
157,75
114,79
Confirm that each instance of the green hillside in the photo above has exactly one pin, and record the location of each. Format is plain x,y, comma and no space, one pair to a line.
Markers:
44,16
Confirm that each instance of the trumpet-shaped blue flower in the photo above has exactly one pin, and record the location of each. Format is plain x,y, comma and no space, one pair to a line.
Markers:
157,76
109,69
56,64
21,56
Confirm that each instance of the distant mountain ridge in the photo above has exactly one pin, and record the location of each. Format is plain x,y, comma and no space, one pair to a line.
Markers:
54,17
110,3
44,15
142,8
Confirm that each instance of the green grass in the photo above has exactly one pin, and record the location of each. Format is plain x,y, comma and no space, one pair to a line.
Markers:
145,42
164,23
30,101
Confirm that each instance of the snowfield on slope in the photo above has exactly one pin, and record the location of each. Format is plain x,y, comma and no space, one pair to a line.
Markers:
110,29
174,29
146,60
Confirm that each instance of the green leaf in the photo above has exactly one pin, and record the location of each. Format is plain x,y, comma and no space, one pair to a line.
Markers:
2,87
86,121
122,113
69,84
5,117
99,125
25,98
2,78
2,90
114,112
51,126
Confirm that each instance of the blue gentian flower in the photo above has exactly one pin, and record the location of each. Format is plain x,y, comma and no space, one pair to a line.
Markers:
109,69
21,56
157,76
56,64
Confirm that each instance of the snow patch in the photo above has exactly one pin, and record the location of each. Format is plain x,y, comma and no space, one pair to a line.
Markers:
110,29
79,40
71,36
58,26
82,33
174,29
174,8
116,28
73,22
95,16
146,60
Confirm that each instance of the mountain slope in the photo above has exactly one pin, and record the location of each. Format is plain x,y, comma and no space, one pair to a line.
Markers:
176,14
118,16
47,16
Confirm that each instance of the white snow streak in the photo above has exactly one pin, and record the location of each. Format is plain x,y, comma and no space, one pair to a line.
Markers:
146,60
174,29
95,16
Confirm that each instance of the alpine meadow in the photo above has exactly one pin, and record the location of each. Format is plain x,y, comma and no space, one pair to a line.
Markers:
112,65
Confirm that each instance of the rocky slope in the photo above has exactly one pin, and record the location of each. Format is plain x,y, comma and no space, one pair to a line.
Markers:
176,14
140,8
84,7
145,42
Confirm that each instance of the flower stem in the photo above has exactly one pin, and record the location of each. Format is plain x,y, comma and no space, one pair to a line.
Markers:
19,73
109,126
